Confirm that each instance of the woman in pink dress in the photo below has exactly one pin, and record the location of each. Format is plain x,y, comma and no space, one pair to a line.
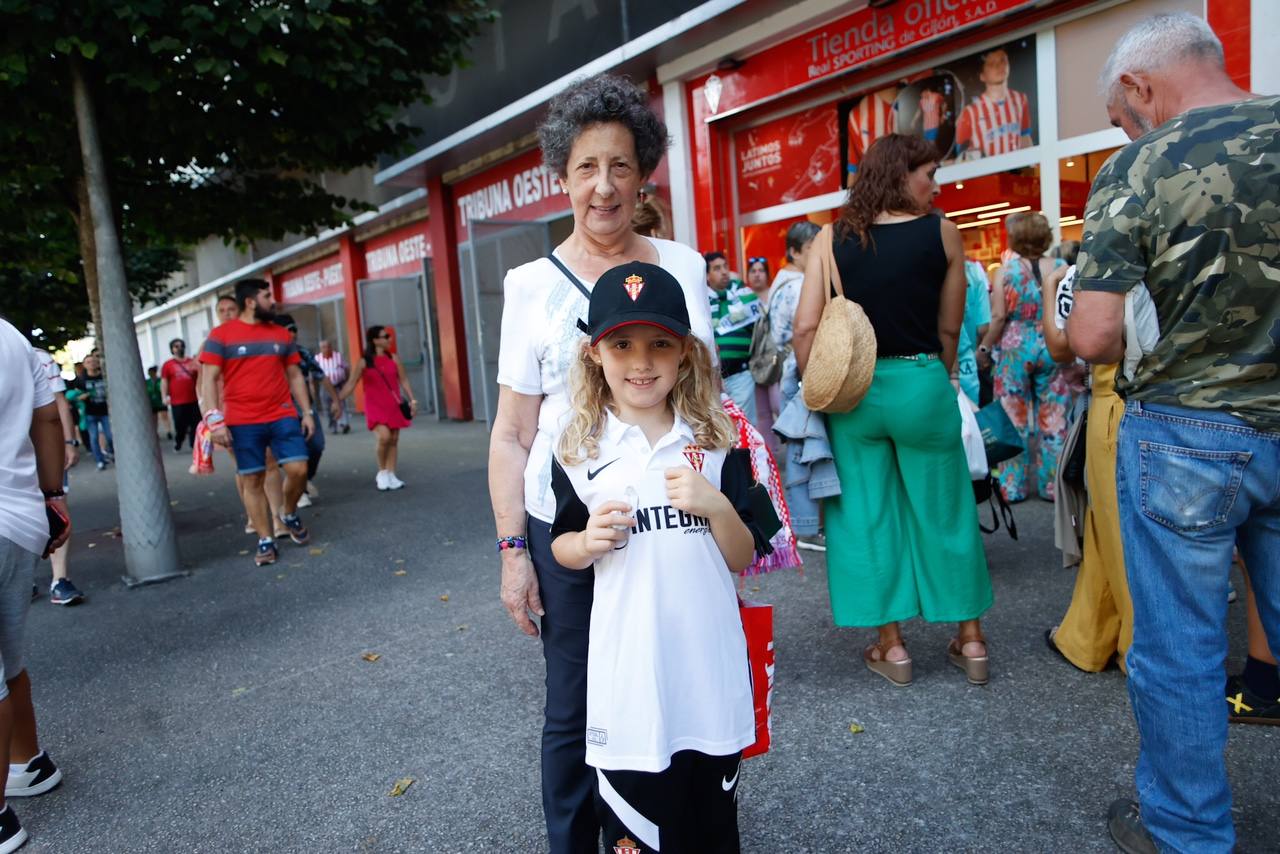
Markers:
384,390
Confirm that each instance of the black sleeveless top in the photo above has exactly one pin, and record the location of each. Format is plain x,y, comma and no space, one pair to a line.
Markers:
898,282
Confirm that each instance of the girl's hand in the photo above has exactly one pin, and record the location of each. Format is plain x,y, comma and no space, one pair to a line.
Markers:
601,537
689,491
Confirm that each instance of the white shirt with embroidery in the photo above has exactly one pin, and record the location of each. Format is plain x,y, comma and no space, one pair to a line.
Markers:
540,339
667,663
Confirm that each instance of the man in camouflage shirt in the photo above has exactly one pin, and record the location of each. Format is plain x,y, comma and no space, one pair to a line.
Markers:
1191,211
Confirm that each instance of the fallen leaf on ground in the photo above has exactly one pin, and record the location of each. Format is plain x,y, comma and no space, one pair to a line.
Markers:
173,503
444,597
400,560
755,589
236,692
281,576
462,628
856,728
91,545
371,656
401,572
316,551
448,542
244,551
402,785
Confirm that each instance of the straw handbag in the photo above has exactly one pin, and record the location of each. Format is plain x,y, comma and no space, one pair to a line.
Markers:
842,359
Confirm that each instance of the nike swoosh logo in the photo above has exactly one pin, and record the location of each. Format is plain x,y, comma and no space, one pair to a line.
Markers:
591,475
729,784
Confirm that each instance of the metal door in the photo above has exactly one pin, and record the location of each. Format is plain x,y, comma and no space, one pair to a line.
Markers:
494,248
398,304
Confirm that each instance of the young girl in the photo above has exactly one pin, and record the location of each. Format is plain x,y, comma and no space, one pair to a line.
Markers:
649,493
384,390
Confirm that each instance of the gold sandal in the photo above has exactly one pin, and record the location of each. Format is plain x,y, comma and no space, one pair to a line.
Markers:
875,657
975,667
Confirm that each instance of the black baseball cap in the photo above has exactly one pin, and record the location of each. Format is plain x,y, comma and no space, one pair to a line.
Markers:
636,292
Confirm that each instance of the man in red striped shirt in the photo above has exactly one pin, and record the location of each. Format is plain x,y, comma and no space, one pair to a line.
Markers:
258,363
874,116
999,120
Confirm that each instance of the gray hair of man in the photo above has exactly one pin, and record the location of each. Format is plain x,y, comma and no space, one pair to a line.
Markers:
1156,43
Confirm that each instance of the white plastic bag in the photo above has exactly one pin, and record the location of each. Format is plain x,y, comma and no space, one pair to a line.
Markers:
975,452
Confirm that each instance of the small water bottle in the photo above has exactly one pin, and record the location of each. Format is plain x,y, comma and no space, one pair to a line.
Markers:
632,498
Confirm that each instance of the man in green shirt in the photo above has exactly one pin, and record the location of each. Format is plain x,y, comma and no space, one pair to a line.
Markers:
1190,211
734,312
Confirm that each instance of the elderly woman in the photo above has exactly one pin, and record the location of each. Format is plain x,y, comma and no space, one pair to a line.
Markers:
902,537
603,141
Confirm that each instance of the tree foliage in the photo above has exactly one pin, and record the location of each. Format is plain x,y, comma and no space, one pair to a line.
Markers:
215,118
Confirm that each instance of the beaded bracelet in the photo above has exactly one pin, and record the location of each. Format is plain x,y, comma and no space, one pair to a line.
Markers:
505,543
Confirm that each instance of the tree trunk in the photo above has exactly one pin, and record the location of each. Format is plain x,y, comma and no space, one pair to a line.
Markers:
89,259
146,519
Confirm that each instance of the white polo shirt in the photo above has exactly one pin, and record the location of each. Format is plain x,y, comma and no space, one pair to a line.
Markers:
540,340
667,663
24,387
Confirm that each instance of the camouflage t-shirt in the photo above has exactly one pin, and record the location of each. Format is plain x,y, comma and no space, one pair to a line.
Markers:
1192,210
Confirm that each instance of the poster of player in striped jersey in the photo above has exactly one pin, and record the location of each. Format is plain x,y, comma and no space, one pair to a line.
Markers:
974,107
999,115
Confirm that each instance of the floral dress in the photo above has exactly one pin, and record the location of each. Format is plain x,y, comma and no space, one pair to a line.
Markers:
1029,385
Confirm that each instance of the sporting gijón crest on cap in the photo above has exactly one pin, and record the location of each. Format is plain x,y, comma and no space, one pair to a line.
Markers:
634,285
695,456
626,845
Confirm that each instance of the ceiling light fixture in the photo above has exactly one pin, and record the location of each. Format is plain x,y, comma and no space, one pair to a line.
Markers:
993,214
980,208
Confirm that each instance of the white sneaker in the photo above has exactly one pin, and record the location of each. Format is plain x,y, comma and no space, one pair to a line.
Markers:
304,500
381,480
394,482
312,490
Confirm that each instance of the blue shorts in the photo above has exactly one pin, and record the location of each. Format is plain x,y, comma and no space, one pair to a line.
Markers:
249,442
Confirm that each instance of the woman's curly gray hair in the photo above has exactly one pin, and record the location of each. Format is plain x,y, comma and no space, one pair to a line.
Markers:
595,100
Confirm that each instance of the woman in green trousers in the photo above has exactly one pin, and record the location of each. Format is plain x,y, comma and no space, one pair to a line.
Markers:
902,538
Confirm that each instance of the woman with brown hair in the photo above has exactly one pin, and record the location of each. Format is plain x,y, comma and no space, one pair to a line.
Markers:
902,537
1028,383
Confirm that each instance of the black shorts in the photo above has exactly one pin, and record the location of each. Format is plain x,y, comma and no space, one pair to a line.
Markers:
689,808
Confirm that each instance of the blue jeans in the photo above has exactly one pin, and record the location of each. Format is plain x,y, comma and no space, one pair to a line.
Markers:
96,424
1192,485
742,388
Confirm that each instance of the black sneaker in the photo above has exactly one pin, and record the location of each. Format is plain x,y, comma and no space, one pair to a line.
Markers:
63,592
12,836
267,552
297,532
1127,830
1246,707
38,777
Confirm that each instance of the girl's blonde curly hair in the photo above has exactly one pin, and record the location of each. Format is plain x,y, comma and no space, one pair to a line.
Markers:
695,397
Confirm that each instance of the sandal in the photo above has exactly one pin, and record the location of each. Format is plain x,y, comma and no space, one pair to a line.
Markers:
875,657
974,667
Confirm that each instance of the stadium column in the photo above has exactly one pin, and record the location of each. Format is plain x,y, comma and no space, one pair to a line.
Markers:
447,283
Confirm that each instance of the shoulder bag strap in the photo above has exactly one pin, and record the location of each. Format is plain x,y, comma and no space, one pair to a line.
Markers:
826,248
577,283
395,392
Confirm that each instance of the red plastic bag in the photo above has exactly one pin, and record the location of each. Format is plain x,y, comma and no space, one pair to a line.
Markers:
757,624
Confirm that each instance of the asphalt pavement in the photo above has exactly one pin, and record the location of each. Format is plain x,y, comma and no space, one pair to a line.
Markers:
246,709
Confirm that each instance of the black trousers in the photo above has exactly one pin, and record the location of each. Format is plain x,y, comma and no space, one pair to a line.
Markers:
186,416
568,783
691,807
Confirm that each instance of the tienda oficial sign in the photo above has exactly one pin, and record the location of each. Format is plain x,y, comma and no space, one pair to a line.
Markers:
857,39
520,189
